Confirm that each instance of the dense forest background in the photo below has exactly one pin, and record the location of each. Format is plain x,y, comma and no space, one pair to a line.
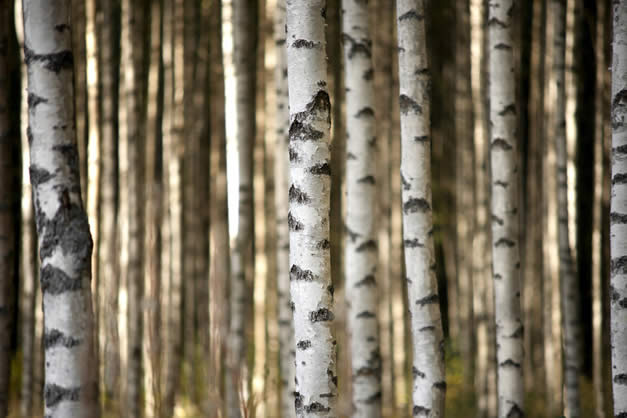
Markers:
164,92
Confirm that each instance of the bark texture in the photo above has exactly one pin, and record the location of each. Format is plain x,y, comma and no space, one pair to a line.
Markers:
505,215
65,243
282,184
569,287
429,385
361,242
308,217
618,211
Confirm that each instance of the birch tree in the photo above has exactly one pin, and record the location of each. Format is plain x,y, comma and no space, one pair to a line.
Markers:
429,386
618,211
308,217
65,243
505,218
361,211
9,143
568,280
282,182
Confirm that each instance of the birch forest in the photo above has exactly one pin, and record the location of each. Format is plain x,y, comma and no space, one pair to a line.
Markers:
313,208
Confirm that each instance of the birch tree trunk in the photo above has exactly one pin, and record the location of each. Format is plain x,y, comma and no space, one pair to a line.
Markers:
9,147
282,182
64,240
361,211
505,218
308,218
429,386
568,280
618,211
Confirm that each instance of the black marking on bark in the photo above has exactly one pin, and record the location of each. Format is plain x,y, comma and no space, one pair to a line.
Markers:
351,234
504,242
620,178
321,315
303,43
279,42
618,218
323,245
300,131
417,373
323,169
515,411
292,306
619,108
503,47
54,62
297,195
369,280
422,139
331,290
298,401
408,104
497,276
366,112
412,14
296,273
54,281
367,371
412,243
70,153
620,379
427,300
500,143
61,27
54,394
510,109
369,245
621,415
367,180
366,314
427,328
39,175
331,376
497,220
368,74
54,337
33,100
509,363
303,344
496,22
375,398
316,407
327,395
518,333
418,411
293,224
405,183
294,157
363,46
415,204
618,265
441,385
350,156
622,303
321,83
621,149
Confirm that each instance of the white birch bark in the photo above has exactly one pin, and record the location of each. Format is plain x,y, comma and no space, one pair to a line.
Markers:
9,143
618,211
282,184
361,211
569,288
429,386
505,217
308,219
64,239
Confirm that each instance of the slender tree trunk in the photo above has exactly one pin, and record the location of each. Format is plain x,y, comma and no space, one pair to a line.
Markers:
80,87
282,181
424,303
9,150
64,240
568,279
618,211
308,218
505,219
361,211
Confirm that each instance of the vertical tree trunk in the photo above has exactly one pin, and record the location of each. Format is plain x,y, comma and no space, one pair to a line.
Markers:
282,182
9,148
429,386
505,219
618,211
64,240
244,61
80,86
132,51
568,279
361,211
308,218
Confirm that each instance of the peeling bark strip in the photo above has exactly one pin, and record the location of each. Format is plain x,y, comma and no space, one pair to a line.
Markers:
64,240
309,202
422,289
569,288
618,230
504,190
